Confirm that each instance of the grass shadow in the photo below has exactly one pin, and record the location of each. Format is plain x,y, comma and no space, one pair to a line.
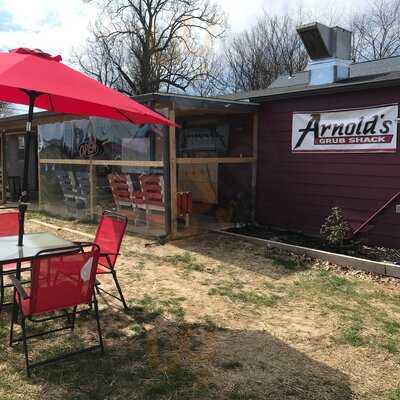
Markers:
150,357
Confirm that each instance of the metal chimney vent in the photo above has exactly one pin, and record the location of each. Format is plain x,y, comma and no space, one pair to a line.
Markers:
329,50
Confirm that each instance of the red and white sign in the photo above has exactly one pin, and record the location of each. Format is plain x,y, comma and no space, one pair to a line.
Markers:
355,131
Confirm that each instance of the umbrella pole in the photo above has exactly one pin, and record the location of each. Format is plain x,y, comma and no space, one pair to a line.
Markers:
22,206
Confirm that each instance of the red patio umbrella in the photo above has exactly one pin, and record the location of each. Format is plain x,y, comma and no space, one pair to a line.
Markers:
38,79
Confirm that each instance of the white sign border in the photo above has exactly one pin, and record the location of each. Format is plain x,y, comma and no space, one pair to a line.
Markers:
348,151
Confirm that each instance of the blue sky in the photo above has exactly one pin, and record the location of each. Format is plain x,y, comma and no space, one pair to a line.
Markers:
7,23
56,26
51,25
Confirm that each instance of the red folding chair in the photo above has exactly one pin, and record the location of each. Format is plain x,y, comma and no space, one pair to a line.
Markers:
109,235
62,279
9,226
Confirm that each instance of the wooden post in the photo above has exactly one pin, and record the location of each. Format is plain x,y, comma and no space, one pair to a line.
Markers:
38,172
254,165
173,173
167,181
3,169
92,190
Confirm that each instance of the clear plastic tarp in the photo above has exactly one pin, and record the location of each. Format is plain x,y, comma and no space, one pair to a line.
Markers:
136,192
105,171
91,165
65,190
100,139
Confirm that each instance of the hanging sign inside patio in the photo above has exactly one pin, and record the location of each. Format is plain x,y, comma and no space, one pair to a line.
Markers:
91,147
354,131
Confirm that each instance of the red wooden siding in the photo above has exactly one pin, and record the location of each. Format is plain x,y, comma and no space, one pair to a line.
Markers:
296,191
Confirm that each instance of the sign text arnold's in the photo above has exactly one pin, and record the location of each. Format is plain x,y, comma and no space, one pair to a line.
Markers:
361,130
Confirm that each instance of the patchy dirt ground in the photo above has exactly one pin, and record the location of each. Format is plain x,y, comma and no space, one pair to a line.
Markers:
215,318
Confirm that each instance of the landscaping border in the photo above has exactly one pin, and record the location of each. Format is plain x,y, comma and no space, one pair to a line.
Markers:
376,267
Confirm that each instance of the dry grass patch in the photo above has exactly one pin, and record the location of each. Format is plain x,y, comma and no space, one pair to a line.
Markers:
215,318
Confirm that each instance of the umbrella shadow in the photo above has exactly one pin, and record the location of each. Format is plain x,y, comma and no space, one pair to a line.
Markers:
149,357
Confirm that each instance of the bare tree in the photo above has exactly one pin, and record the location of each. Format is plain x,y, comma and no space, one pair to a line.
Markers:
141,46
215,79
94,61
376,33
6,109
259,55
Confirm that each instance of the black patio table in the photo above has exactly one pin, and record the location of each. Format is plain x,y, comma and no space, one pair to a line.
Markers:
10,252
33,243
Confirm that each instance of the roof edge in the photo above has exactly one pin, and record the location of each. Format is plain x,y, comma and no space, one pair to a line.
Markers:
322,90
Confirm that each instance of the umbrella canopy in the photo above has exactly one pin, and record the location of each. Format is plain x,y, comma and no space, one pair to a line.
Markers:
63,89
38,79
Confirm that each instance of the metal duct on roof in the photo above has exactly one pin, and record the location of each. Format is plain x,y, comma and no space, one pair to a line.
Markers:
329,49
322,41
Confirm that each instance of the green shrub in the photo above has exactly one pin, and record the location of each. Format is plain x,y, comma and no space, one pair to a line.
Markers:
336,230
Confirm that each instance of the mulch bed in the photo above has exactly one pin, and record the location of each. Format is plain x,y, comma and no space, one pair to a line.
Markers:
350,248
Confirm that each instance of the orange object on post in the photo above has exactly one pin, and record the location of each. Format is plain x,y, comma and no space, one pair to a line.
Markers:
185,206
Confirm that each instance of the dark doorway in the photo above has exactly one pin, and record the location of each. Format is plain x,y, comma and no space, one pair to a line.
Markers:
14,160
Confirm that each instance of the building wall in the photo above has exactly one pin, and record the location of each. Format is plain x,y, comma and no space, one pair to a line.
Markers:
296,191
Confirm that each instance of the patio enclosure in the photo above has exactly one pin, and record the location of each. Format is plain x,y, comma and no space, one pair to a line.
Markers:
174,181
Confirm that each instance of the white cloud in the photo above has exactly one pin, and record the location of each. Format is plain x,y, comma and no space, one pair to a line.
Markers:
53,26
56,26
242,14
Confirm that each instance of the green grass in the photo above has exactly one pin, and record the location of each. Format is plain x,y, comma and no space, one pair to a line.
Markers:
391,327
391,346
331,283
45,216
153,308
186,262
288,263
140,265
137,272
356,305
392,394
174,307
352,333
234,290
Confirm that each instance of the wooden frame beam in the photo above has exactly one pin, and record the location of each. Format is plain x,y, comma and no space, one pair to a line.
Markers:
158,164
39,185
217,160
173,173
3,168
65,162
92,190
146,164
